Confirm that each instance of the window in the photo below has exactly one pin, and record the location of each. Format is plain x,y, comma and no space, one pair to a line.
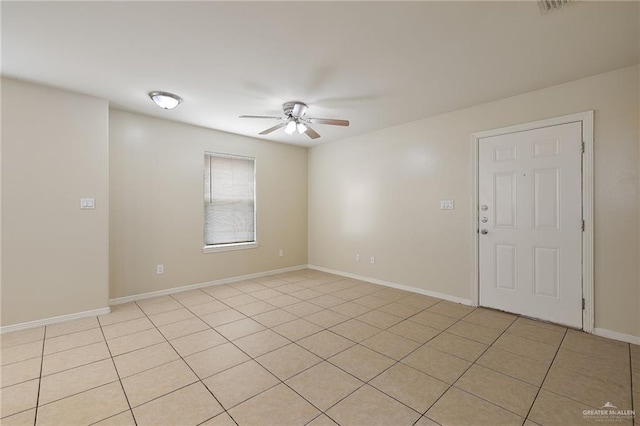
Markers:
229,201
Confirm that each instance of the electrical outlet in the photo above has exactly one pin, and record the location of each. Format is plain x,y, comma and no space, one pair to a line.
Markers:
159,269
357,257
280,252
373,260
447,204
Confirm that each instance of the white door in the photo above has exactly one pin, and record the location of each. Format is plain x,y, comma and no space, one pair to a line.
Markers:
530,199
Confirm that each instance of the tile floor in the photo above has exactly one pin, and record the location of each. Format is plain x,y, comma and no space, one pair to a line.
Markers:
307,347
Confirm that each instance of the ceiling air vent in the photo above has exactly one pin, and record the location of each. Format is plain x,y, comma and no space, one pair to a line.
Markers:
551,5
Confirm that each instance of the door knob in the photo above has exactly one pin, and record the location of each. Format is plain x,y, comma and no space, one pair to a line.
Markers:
484,208
484,232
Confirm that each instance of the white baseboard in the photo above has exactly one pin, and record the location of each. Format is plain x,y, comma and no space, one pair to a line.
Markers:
448,297
135,297
602,332
54,320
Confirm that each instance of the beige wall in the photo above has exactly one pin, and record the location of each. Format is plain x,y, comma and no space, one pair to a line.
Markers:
156,181
378,194
54,151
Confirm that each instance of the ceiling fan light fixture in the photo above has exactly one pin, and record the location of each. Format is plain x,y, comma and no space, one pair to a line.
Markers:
301,128
165,100
291,127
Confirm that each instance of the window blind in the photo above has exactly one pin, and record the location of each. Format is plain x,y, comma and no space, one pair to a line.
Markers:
229,199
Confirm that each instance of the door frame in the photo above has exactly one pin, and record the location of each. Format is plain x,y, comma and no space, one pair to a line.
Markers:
586,120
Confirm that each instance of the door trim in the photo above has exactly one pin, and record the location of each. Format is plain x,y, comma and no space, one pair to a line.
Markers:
586,120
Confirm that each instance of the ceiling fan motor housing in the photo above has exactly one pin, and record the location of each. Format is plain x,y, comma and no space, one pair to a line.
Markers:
294,109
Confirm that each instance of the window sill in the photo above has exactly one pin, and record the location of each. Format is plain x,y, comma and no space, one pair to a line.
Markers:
229,247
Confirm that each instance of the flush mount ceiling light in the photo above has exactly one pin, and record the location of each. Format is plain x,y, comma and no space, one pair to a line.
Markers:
165,100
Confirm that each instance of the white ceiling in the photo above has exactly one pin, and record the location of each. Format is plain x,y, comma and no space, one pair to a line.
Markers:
377,64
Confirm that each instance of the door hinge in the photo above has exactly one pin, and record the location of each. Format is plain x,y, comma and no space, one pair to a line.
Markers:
583,304
582,147
582,225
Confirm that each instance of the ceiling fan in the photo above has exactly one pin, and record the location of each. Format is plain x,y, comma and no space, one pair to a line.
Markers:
295,119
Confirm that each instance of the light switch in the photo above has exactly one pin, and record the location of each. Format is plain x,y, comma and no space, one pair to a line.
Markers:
87,203
446,204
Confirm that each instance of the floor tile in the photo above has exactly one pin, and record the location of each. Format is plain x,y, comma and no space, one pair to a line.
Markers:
255,308
350,309
277,406
368,406
525,347
158,308
306,294
74,326
539,334
475,332
21,337
326,318
325,343
288,361
24,418
410,386
158,381
426,421
588,365
348,294
239,300
555,410
17,398
85,408
19,372
541,324
355,330
222,291
414,331
514,365
324,385
197,342
450,309
208,308
379,319
419,301
182,328
274,318
260,343
132,342
372,302
75,357
282,301
171,317
252,377
220,420
504,391
440,365
76,380
458,346
327,301
126,327
237,329
190,405
222,317
216,359
391,345
265,294
119,313
297,329
588,390
72,340
362,362
123,419
490,318
192,298
437,321
399,309
457,407
144,359
248,286
302,308
322,420
598,347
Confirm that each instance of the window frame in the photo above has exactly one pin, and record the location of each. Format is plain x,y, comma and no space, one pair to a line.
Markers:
213,248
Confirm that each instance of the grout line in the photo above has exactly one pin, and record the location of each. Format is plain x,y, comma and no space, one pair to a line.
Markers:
118,374
546,374
44,340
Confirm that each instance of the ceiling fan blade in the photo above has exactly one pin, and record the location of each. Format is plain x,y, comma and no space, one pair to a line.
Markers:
329,121
272,129
261,116
312,133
